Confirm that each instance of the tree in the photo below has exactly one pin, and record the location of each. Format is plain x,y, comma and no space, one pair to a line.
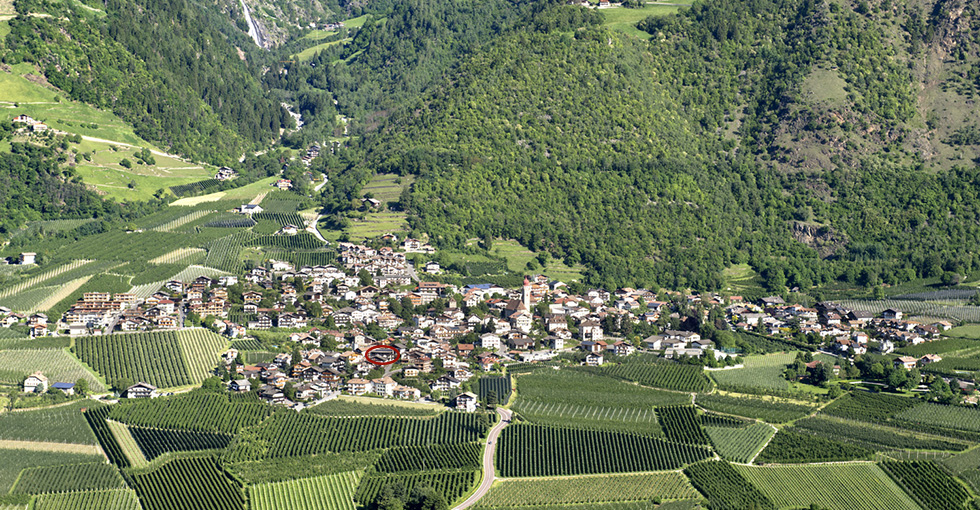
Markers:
897,378
939,391
122,384
491,399
835,391
912,380
213,385
81,386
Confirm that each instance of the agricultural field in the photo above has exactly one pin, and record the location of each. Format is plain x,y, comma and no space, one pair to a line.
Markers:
353,406
499,386
952,417
69,478
162,358
290,434
57,365
64,424
103,432
954,345
622,419
118,499
792,447
682,424
176,223
740,444
725,487
917,308
551,386
763,372
451,485
196,411
869,407
589,489
662,374
188,484
155,442
13,461
877,436
833,486
330,492
929,484
598,402
765,409
465,456
532,450
304,466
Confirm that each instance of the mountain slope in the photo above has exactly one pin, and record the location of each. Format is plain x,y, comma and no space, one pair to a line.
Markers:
172,69
662,163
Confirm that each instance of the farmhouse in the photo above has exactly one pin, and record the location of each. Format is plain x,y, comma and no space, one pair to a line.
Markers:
36,383
250,209
141,390
27,258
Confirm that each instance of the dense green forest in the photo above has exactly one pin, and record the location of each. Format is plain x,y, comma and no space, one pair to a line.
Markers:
662,162
172,69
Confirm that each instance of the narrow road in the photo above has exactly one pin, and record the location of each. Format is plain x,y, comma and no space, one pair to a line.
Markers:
488,474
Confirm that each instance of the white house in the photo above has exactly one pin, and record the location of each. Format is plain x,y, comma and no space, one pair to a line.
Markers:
36,383
466,402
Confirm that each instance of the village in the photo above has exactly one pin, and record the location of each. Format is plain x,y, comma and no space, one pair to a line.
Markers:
438,335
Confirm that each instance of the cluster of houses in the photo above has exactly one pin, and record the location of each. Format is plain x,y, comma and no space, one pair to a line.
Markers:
28,122
38,383
225,174
311,154
26,258
845,331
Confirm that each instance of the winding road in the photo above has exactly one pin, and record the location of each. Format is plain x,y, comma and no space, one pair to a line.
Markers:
488,473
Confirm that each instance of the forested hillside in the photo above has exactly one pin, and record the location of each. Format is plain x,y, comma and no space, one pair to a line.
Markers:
182,74
663,162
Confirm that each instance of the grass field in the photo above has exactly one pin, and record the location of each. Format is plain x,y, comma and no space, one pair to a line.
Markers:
127,443
590,489
625,20
386,187
56,364
331,492
518,256
830,486
310,52
742,279
140,182
57,111
376,224
760,372
965,331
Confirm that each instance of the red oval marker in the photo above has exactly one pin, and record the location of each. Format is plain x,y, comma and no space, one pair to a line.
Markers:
398,355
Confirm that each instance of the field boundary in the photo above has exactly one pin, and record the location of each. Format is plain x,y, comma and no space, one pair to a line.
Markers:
46,446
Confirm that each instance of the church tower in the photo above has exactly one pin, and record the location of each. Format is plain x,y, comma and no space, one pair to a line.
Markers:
526,294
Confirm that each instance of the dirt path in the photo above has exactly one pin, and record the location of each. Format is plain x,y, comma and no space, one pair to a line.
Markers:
488,472
38,446
155,152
